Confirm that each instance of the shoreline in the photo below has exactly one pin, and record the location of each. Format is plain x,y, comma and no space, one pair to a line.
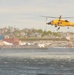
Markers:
21,47
39,45
30,47
27,47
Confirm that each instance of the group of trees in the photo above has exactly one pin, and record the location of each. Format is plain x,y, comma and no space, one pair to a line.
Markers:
28,32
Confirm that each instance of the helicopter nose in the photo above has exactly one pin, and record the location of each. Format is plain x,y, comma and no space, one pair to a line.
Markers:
48,23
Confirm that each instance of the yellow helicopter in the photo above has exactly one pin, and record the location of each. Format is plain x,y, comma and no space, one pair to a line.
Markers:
59,22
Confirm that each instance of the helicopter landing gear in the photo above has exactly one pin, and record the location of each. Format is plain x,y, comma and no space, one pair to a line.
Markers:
58,28
55,25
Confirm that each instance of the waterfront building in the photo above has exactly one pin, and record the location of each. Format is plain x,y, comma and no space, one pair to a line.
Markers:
14,41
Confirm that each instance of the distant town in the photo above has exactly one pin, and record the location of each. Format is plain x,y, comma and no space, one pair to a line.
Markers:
11,37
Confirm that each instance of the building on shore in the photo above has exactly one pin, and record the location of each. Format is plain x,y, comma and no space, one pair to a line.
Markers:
14,41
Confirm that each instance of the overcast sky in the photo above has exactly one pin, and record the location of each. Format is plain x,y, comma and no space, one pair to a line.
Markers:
26,13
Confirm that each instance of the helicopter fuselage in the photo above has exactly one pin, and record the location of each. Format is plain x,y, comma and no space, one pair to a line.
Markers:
60,22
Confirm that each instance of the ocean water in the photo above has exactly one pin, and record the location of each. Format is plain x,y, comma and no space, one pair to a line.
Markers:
53,61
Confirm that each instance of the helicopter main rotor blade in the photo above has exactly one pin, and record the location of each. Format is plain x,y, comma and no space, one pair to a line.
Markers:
49,17
56,17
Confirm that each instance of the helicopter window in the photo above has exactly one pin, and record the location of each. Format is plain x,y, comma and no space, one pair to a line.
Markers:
66,21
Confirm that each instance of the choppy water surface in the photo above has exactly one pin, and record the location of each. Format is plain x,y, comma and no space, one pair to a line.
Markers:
37,62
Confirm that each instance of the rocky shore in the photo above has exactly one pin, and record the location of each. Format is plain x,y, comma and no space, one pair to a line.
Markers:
43,44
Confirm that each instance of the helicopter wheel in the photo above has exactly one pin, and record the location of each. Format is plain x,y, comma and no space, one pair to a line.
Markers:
55,25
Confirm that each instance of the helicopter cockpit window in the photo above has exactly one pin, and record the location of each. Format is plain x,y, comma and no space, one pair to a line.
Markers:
66,21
